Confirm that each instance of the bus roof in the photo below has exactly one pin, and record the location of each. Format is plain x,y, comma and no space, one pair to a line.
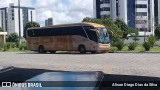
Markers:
73,24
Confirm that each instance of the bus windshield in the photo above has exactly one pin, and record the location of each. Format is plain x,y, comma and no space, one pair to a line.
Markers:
102,35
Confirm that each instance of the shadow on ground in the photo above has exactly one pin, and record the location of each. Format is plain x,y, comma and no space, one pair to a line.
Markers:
61,53
21,75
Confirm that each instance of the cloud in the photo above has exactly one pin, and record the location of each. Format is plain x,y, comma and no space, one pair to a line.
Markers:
5,3
62,11
69,11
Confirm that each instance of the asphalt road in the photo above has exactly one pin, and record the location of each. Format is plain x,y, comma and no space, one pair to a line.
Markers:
137,64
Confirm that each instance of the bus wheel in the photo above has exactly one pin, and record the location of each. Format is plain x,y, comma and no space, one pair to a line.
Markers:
93,52
52,52
82,49
41,49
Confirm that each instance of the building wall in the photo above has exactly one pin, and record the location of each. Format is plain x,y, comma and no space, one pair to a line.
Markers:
158,11
1,38
49,22
0,19
123,10
131,13
114,10
3,18
136,13
94,9
12,18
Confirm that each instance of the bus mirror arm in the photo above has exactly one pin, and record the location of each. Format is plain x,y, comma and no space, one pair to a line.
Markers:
110,32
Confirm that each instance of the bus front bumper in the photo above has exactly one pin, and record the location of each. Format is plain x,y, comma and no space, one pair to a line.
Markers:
104,47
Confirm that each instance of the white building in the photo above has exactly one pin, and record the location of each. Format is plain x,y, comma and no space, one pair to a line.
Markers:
135,13
3,18
12,19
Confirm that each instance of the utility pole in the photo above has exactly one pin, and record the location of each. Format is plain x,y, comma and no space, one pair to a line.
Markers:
19,22
31,17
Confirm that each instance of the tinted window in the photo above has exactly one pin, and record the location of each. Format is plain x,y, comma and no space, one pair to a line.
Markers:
59,31
91,34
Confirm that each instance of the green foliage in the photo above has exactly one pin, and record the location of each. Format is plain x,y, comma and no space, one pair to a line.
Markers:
13,45
146,46
134,31
23,46
151,40
113,49
4,46
108,23
135,39
8,46
120,45
157,32
1,30
13,37
30,25
132,46
124,28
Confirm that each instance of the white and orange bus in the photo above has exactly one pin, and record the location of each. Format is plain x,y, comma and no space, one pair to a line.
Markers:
83,37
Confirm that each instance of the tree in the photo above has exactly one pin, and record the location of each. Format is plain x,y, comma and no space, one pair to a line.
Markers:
152,40
13,37
134,33
157,32
1,30
108,23
30,25
124,28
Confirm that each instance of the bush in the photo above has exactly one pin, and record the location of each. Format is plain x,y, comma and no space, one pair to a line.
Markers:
17,44
13,45
8,46
23,46
152,40
146,46
132,46
113,49
3,46
13,37
120,45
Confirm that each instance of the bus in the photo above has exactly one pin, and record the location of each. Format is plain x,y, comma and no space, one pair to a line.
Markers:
83,37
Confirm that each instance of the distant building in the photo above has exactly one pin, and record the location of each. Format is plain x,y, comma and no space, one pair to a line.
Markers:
46,22
3,18
49,22
3,37
9,20
138,14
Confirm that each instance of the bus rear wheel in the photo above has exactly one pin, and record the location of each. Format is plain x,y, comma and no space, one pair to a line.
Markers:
93,52
52,52
41,49
82,49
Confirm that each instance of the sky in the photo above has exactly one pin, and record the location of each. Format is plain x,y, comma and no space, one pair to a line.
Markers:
62,11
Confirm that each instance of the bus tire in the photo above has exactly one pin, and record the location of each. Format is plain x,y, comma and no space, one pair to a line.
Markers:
93,52
82,49
41,49
52,52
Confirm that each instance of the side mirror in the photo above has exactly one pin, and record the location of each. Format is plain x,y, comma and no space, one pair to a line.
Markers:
98,33
110,33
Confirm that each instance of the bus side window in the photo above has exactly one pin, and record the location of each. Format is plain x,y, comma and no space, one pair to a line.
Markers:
92,35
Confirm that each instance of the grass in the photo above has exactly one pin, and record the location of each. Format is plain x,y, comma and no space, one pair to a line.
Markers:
155,49
138,48
14,50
